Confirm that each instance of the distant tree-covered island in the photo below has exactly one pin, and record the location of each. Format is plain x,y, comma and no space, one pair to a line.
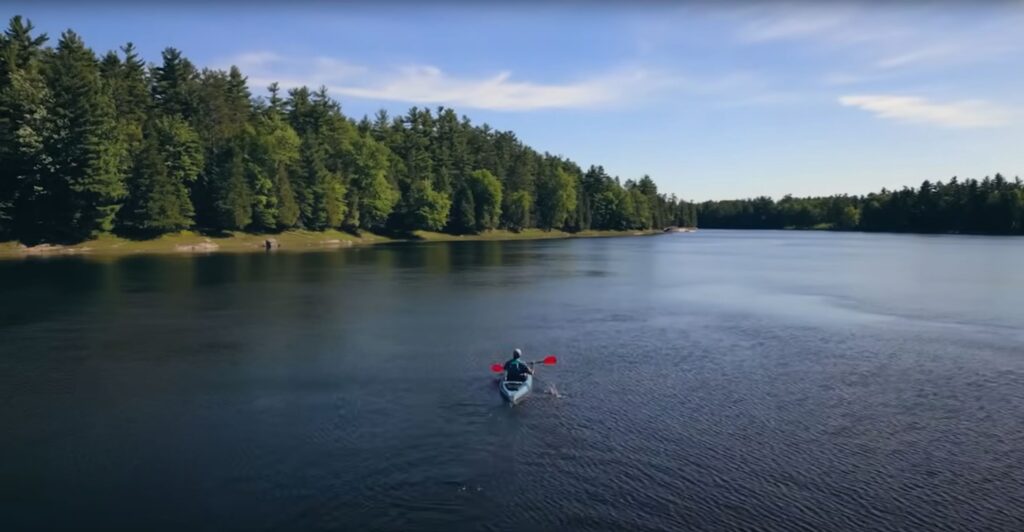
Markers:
94,144
990,206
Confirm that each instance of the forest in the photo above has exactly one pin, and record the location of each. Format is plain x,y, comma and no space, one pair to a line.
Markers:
92,144
991,206
110,143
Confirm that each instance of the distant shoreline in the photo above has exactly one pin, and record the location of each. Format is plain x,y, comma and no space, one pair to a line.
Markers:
826,229
192,243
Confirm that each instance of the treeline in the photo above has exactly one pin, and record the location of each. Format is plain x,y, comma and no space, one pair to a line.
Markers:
991,206
91,144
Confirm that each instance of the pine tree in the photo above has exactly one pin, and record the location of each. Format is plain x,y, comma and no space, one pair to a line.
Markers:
84,148
175,86
515,210
24,125
322,202
324,146
158,199
287,206
223,194
463,211
228,190
129,88
168,161
639,209
274,154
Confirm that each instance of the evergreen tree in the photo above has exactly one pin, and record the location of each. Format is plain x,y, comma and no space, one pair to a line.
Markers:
274,157
608,208
322,200
516,210
319,184
129,88
463,211
232,198
519,185
287,207
25,101
638,208
223,194
169,158
175,86
84,148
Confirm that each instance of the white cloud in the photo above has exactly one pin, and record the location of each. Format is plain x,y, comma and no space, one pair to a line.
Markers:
887,39
790,24
336,68
825,23
956,114
254,60
936,53
951,53
426,84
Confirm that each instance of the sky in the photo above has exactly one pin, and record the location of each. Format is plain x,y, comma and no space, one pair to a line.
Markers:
712,100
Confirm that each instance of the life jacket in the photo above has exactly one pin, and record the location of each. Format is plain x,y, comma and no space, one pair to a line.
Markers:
515,367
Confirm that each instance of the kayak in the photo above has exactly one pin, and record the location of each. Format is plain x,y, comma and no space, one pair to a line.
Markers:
514,391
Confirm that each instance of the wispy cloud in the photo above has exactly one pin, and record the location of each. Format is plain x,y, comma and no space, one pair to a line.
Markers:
252,59
927,54
827,23
427,84
910,109
918,36
951,52
788,23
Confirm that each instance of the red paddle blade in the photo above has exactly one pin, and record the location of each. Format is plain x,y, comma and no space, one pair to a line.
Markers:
497,368
551,359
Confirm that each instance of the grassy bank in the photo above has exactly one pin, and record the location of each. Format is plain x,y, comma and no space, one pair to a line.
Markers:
187,242
526,234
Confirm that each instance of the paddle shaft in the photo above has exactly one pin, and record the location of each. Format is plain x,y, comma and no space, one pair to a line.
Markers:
548,361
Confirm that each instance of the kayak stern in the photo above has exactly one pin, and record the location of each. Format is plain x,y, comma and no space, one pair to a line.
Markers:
514,391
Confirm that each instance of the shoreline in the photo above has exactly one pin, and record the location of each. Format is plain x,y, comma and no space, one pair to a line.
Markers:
186,243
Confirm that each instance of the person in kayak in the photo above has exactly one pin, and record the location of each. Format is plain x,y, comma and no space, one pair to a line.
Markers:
515,369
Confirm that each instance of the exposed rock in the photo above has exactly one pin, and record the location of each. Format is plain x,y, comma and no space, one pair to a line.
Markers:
201,247
52,249
335,243
271,243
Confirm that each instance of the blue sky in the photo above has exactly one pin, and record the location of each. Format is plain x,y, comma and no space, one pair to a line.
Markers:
713,101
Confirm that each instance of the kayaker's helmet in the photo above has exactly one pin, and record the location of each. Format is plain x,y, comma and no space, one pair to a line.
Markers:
517,353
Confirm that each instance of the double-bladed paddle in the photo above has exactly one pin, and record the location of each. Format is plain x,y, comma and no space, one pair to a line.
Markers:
549,360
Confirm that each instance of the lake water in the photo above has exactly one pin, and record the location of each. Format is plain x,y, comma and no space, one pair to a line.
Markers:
707,381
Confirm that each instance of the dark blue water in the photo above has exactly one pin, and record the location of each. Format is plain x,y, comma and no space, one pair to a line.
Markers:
708,381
